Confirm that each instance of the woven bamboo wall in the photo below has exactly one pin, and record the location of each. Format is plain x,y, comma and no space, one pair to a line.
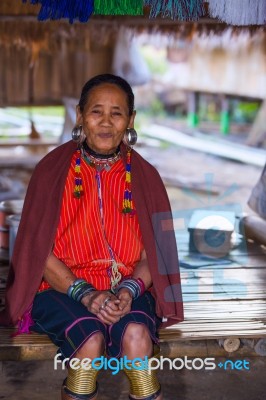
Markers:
40,62
17,7
51,77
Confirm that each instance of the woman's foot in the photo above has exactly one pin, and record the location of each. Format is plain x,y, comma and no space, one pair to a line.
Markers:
65,396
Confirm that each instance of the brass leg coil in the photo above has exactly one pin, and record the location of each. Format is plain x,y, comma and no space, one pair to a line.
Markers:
152,397
81,383
144,383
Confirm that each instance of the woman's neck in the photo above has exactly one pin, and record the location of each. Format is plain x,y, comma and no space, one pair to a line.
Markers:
99,155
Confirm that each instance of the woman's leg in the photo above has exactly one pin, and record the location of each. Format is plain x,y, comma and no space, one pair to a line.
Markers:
92,348
133,336
78,334
137,343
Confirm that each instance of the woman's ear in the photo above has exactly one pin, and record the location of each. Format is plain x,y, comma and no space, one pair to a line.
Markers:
132,119
79,119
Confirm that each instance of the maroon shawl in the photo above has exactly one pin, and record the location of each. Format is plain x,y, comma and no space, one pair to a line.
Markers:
39,222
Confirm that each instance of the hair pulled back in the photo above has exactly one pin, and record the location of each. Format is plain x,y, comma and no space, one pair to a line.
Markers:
107,78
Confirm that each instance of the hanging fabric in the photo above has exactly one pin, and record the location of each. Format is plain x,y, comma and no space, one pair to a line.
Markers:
183,10
118,7
71,9
239,12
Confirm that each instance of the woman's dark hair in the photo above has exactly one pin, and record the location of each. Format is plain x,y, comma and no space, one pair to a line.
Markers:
107,78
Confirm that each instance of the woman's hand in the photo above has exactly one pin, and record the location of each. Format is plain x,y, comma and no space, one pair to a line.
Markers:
125,300
104,304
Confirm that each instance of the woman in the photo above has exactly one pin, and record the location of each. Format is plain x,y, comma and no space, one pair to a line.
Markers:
98,249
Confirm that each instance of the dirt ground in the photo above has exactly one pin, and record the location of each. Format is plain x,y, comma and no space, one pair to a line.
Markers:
39,381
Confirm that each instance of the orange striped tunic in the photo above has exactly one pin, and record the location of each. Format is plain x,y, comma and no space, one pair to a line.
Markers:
82,241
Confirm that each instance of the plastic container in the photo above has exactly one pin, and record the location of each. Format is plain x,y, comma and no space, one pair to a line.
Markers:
210,232
13,222
7,208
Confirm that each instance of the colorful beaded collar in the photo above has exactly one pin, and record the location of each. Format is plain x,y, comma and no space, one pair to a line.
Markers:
100,162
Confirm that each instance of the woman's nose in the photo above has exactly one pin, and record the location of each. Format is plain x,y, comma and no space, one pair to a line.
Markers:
106,119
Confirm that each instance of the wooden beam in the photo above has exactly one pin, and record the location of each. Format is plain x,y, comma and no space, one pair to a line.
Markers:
119,20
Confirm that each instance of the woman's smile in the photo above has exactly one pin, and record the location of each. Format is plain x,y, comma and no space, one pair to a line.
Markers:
105,135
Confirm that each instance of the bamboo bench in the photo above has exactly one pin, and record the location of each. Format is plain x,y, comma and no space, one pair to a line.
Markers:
228,324
27,347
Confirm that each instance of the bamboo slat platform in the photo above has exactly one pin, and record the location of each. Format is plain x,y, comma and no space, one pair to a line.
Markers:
39,347
223,299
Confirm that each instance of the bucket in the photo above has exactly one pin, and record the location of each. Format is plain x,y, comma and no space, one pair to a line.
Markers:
210,232
8,207
13,222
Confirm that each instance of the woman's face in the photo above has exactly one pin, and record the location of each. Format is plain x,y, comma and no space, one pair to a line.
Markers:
105,118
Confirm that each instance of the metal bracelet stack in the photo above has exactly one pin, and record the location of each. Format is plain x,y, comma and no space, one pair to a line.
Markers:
79,288
135,286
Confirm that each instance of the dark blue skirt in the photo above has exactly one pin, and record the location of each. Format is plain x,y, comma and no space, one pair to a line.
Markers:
69,324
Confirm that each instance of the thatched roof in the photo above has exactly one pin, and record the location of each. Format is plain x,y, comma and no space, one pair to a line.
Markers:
19,27
43,61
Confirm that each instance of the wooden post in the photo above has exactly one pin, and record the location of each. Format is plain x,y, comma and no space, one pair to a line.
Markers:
229,344
225,115
193,109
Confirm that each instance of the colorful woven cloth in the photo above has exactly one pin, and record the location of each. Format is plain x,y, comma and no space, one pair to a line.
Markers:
82,243
69,324
71,9
118,7
239,12
184,10
39,222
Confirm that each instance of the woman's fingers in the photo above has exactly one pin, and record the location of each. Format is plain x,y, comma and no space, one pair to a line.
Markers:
125,298
115,313
113,304
107,318
109,308
98,300
125,303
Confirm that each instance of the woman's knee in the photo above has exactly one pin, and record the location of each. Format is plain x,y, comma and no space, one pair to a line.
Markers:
137,339
136,332
93,347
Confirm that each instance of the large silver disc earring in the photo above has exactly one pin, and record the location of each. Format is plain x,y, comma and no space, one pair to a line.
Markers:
77,134
130,137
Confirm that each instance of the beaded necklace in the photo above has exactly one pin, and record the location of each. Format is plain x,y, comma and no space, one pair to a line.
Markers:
100,162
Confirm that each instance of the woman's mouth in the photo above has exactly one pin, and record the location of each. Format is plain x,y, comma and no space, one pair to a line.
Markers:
105,135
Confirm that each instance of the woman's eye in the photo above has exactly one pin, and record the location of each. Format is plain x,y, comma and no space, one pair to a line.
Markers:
116,113
96,111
